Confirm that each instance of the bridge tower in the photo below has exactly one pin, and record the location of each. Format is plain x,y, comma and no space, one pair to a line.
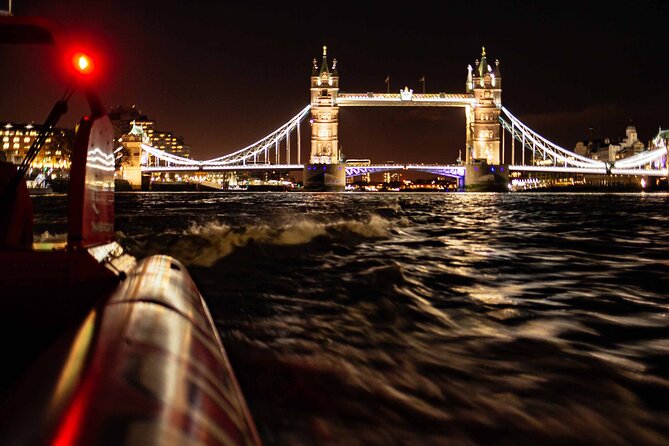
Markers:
483,128
484,171
131,169
325,170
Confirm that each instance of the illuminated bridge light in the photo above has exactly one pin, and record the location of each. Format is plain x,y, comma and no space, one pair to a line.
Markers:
546,156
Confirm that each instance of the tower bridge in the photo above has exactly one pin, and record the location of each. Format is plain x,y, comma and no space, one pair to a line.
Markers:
481,101
489,125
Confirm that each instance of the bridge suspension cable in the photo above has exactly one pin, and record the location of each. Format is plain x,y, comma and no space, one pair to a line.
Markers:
549,151
558,159
260,147
260,152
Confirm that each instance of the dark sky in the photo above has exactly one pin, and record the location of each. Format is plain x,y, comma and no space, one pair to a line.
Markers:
224,74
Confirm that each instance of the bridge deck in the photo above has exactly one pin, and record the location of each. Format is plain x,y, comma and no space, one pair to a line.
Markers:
437,169
223,167
404,100
590,170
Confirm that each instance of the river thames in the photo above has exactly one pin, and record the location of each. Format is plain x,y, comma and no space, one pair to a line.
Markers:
445,318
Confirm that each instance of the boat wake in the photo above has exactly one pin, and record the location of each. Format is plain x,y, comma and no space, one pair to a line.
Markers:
205,244
47,237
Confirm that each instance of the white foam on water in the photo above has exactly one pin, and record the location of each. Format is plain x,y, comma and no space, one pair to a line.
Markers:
221,239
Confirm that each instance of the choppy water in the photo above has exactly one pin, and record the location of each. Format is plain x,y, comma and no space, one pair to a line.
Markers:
428,318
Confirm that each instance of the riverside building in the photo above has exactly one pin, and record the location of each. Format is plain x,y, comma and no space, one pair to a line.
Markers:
610,150
125,119
18,138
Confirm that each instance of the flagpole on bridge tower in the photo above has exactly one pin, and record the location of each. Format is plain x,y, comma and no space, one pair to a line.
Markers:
388,83
422,80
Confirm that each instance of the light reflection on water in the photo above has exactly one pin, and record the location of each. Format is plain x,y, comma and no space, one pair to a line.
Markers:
430,318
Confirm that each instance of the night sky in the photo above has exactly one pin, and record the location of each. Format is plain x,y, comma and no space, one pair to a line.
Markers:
224,75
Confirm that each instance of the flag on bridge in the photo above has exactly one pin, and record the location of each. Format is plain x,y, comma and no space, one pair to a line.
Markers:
388,83
422,79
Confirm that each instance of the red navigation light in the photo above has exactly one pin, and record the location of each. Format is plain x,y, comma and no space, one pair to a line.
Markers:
83,63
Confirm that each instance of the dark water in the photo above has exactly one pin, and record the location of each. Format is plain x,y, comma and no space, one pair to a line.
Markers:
428,318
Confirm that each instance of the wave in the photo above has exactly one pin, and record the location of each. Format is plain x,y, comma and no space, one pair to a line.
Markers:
47,237
205,244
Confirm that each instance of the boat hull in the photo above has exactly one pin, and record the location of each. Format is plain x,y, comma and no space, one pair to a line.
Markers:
142,357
